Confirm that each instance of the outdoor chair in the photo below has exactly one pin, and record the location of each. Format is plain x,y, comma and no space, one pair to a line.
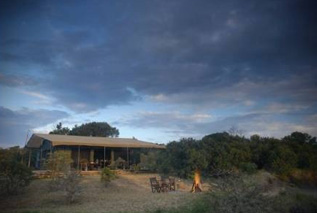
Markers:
155,186
165,185
172,184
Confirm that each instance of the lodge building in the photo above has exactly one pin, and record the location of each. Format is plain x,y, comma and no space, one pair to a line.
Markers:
88,153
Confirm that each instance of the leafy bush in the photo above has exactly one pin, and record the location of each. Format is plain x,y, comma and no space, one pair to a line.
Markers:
239,194
149,161
135,167
70,184
63,178
245,194
303,204
233,194
13,154
14,176
107,175
225,152
59,162
304,178
284,161
248,167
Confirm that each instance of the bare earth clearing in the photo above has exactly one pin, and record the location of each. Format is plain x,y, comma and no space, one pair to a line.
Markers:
128,193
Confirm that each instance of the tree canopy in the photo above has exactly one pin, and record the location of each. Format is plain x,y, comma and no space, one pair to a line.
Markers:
97,129
223,152
59,130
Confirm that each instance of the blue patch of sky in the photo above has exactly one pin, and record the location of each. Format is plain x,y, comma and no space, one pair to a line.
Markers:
14,99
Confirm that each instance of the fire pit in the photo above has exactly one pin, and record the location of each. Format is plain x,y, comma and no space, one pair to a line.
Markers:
197,183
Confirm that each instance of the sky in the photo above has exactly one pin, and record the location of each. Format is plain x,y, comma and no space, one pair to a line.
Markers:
158,70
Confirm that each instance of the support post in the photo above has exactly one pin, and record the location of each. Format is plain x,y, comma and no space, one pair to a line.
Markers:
112,156
104,156
37,162
128,157
92,155
41,155
78,157
30,153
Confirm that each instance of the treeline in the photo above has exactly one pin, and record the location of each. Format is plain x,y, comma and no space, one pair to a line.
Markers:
14,174
222,153
96,129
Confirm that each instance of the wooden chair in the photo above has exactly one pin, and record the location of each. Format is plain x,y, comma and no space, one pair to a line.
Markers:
172,184
155,186
165,185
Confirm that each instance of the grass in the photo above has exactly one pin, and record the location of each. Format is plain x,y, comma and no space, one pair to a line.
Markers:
128,193
260,192
257,193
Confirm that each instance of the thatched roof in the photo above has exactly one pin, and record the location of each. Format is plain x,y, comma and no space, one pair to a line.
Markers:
67,140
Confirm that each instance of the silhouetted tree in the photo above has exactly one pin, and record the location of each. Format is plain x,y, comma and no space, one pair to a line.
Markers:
300,137
100,129
222,153
60,130
97,129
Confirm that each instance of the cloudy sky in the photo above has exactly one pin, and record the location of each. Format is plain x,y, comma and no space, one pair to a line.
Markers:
158,70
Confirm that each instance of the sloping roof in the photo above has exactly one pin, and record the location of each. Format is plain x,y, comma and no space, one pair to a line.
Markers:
69,140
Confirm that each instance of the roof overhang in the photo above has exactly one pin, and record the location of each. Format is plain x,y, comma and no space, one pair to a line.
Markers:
37,140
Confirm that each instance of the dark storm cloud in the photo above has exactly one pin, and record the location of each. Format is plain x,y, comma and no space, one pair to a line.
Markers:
15,123
94,52
15,81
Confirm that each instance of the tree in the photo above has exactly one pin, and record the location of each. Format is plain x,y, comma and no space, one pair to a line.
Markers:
283,160
62,177
107,175
14,153
305,148
96,129
71,185
299,137
100,129
235,131
255,138
60,130
14,176
59,162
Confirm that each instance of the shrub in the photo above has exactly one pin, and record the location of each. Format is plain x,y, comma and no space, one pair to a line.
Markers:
303,204
107,175
63,178
135,167
148,161
233,194
59,162
302,177
14,176
249,168
282,167
70,184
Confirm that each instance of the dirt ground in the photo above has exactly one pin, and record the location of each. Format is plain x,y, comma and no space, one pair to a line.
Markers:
128,193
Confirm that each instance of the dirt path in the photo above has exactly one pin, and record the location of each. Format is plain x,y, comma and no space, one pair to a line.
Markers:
128,193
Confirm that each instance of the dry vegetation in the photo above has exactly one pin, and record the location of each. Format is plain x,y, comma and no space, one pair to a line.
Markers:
130,192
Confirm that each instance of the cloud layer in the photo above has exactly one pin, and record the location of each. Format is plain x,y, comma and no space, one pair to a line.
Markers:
266,124
14,125
249,56
90,59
